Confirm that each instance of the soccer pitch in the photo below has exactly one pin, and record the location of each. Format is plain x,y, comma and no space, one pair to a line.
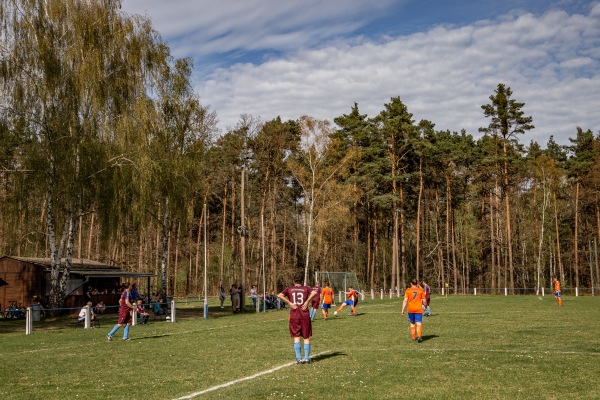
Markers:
484,347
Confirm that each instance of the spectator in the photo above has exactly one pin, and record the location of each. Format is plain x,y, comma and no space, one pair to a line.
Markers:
157,309
100,307
253,295
134,292
268,302
235,298
88,294
141,312
81,316
222,296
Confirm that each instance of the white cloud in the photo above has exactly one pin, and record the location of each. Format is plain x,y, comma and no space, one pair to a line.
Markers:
551,62
313,66
204,27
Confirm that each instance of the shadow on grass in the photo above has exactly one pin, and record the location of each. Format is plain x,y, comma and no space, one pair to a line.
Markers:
429,337
325,356
151,337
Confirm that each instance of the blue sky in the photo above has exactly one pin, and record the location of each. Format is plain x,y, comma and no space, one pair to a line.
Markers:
269,58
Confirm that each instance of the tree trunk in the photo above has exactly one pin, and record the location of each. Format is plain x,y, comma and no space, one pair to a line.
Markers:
596,241
438,240
448,230
493,243
223,228
243,242
176,263
165,250
452,238
402,280
90,236
507,218
558,253
576,235
418,221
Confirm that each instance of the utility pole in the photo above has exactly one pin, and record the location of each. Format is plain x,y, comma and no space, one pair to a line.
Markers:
243,231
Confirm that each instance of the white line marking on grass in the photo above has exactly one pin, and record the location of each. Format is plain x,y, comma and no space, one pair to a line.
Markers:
423,349
247,378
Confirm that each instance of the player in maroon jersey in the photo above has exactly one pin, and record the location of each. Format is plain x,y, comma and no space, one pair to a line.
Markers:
315,301
125,310
299,297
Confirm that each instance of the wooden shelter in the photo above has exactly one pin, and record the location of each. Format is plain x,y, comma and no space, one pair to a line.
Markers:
28,281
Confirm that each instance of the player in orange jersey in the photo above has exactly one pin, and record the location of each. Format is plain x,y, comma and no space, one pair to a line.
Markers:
327,295
351,298
414,297
557,291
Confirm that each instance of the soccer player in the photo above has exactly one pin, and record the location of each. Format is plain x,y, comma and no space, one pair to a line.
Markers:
315,301
414,297
351,297
427,291
557,291
328,294
298,297
125,310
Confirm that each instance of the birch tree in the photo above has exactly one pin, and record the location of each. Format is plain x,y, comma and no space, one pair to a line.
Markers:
315,175
70,70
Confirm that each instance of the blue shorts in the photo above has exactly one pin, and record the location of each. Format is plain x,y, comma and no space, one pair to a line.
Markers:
415,317
349,303
326,306
557,294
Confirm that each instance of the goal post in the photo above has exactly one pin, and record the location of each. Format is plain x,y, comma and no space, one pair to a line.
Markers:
338,281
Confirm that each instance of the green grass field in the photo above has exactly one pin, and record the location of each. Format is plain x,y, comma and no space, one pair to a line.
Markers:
484,347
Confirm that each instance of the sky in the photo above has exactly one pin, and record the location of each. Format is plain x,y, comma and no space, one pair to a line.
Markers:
444,59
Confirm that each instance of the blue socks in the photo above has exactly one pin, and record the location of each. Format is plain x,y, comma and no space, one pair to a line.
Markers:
116,328
307,351
297,348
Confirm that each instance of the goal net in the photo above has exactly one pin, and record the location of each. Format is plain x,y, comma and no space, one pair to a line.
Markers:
338,281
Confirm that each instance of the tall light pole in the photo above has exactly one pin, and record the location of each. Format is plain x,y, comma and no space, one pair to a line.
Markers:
243,230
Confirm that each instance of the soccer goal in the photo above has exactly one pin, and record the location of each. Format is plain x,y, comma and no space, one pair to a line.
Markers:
338,280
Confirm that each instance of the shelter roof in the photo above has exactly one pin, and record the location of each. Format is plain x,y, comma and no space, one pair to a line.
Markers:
81,266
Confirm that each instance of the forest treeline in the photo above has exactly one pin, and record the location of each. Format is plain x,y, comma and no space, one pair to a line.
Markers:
108,154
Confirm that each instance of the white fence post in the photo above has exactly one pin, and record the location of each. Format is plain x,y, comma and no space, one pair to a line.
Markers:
28,322
172,310
391,293
475,291
506,291
542,291
87,321
372,294
576,291
381,294
442,290
134,315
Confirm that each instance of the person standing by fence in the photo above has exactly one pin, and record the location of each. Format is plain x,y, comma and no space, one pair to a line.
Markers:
222,296
125,310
